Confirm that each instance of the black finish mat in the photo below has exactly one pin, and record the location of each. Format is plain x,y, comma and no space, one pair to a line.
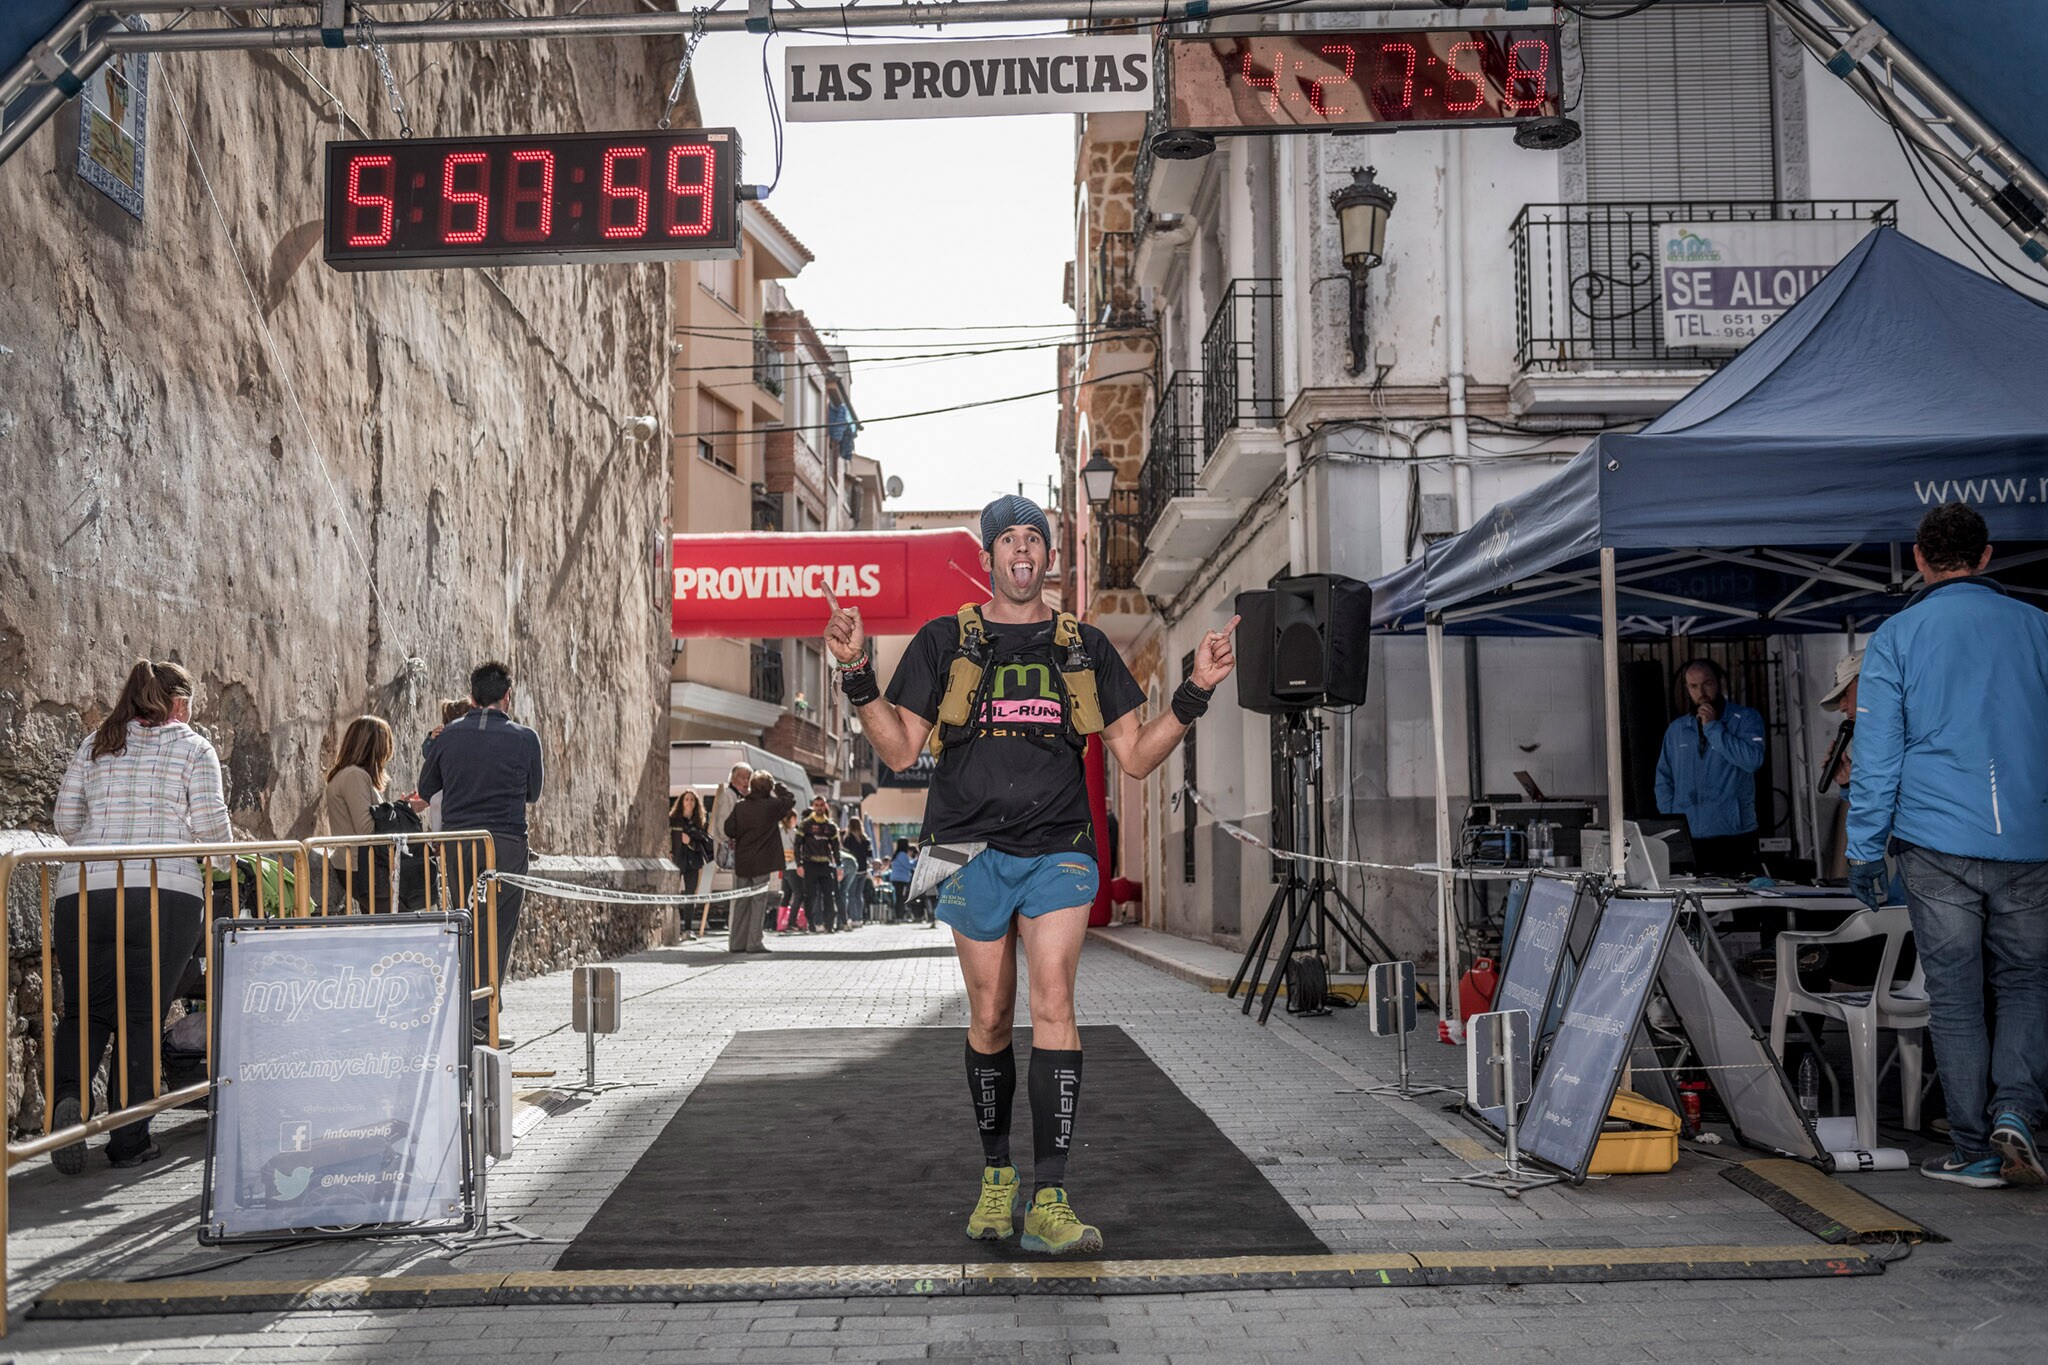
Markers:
857,1147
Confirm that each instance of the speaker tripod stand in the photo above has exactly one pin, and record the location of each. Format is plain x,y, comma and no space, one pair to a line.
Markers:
1301,901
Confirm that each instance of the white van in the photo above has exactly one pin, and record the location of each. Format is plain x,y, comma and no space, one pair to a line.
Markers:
702,765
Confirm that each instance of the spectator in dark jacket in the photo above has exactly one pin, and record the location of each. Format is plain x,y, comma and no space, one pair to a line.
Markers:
689,838
817,853
755,827
487,769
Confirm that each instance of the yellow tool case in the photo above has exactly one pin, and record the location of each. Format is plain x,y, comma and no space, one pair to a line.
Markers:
1640,1137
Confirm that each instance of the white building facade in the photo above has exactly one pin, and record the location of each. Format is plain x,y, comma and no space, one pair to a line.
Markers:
1515,315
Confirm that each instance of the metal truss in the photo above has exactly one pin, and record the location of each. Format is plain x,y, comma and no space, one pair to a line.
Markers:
1959,144
1841,33
57,68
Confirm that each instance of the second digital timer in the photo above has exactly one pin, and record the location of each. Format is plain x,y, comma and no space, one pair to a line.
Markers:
1359,81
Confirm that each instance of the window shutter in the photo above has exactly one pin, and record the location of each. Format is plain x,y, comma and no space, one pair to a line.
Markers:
1677,105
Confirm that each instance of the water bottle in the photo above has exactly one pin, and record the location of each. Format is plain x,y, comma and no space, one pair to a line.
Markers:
1809,1087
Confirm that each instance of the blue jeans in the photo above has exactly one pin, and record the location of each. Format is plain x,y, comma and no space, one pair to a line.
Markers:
1974,917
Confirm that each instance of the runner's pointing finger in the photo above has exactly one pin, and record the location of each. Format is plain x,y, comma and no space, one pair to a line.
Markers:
831,602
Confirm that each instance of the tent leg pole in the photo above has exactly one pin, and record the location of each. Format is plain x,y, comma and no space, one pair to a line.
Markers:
1446,934
1610,669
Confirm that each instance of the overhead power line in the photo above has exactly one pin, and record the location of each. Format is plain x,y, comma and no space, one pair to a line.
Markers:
928,412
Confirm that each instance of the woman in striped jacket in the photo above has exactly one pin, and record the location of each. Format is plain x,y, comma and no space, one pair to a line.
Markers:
144,777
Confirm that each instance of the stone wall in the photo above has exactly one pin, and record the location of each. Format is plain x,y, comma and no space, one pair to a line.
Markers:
327,493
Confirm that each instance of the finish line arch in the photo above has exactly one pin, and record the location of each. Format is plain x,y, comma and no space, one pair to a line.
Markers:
766,585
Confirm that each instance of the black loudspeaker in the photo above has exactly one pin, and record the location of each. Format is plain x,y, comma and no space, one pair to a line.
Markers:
1303,642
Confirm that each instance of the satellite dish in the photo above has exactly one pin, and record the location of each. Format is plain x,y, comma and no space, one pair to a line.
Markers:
894,488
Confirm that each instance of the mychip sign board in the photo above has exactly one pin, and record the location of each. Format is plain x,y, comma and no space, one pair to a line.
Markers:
1583,1067
1529,976
338,1046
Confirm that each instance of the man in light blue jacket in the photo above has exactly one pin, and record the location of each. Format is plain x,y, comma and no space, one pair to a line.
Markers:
1952,772
1706,772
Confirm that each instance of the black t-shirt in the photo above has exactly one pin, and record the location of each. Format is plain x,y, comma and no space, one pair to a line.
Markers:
1017,784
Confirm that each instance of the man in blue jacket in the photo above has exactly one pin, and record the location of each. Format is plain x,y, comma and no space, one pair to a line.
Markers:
1952,769
1706,772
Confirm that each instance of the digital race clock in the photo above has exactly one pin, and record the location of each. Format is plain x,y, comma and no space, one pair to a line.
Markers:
1362,81
574,197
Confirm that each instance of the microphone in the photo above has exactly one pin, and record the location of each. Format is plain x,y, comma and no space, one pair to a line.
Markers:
1700,726
1827,771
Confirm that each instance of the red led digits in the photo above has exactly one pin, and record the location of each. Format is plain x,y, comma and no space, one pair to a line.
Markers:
699,223
616,194
1536,78
1348,57
452,198
1404,54
1270,82
359,199
1475,78
520,191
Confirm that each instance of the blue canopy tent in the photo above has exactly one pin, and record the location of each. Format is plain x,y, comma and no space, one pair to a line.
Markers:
1780,496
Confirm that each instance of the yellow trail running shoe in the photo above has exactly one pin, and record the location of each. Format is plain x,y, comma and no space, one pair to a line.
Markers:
995,1213
1051,1226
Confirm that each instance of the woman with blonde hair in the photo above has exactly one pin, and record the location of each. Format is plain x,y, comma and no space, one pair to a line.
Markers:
145,776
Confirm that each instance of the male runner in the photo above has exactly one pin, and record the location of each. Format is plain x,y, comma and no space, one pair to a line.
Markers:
1010,775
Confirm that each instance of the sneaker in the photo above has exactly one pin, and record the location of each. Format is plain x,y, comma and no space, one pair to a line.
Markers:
1978,1172
70,1160
2013,1140
148,1152
995,1213
1051,1226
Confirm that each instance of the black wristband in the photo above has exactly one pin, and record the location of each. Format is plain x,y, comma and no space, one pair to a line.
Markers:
1190,702
860,684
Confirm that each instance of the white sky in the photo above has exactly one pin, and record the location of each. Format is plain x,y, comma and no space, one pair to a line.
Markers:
921,223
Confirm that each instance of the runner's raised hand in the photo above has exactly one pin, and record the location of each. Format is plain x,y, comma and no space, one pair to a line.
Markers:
1214,657
843,633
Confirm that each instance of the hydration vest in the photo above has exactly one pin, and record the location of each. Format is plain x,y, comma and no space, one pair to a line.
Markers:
967,681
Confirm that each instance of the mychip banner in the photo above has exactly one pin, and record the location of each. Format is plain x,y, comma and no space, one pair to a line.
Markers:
1723,283
338,1048
1583,1068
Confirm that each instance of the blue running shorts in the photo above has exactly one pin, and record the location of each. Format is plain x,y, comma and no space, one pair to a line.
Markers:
981,898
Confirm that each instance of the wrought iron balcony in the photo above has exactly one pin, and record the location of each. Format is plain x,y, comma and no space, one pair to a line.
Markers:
764,675
1113,295
1174,456
770,365
1119,543
1587,283
1241,361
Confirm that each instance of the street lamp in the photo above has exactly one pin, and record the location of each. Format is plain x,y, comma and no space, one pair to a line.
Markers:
1098,477
1362,209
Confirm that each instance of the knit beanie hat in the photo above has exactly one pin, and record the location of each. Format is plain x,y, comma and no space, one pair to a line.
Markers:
1012,509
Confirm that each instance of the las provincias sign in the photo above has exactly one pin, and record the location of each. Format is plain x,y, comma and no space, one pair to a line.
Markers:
1080,75
771,585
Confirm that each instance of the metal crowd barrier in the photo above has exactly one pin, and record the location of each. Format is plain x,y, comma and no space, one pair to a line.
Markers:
48,865
455,864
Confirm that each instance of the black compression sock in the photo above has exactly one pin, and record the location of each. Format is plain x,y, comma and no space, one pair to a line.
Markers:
1055,1097
992,1081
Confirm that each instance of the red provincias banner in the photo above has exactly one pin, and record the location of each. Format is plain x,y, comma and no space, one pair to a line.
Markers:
772,584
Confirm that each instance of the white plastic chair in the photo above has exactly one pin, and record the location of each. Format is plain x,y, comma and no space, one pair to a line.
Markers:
1902,1008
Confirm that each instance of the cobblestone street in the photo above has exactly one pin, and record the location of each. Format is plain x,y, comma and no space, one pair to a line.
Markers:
1287,1095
